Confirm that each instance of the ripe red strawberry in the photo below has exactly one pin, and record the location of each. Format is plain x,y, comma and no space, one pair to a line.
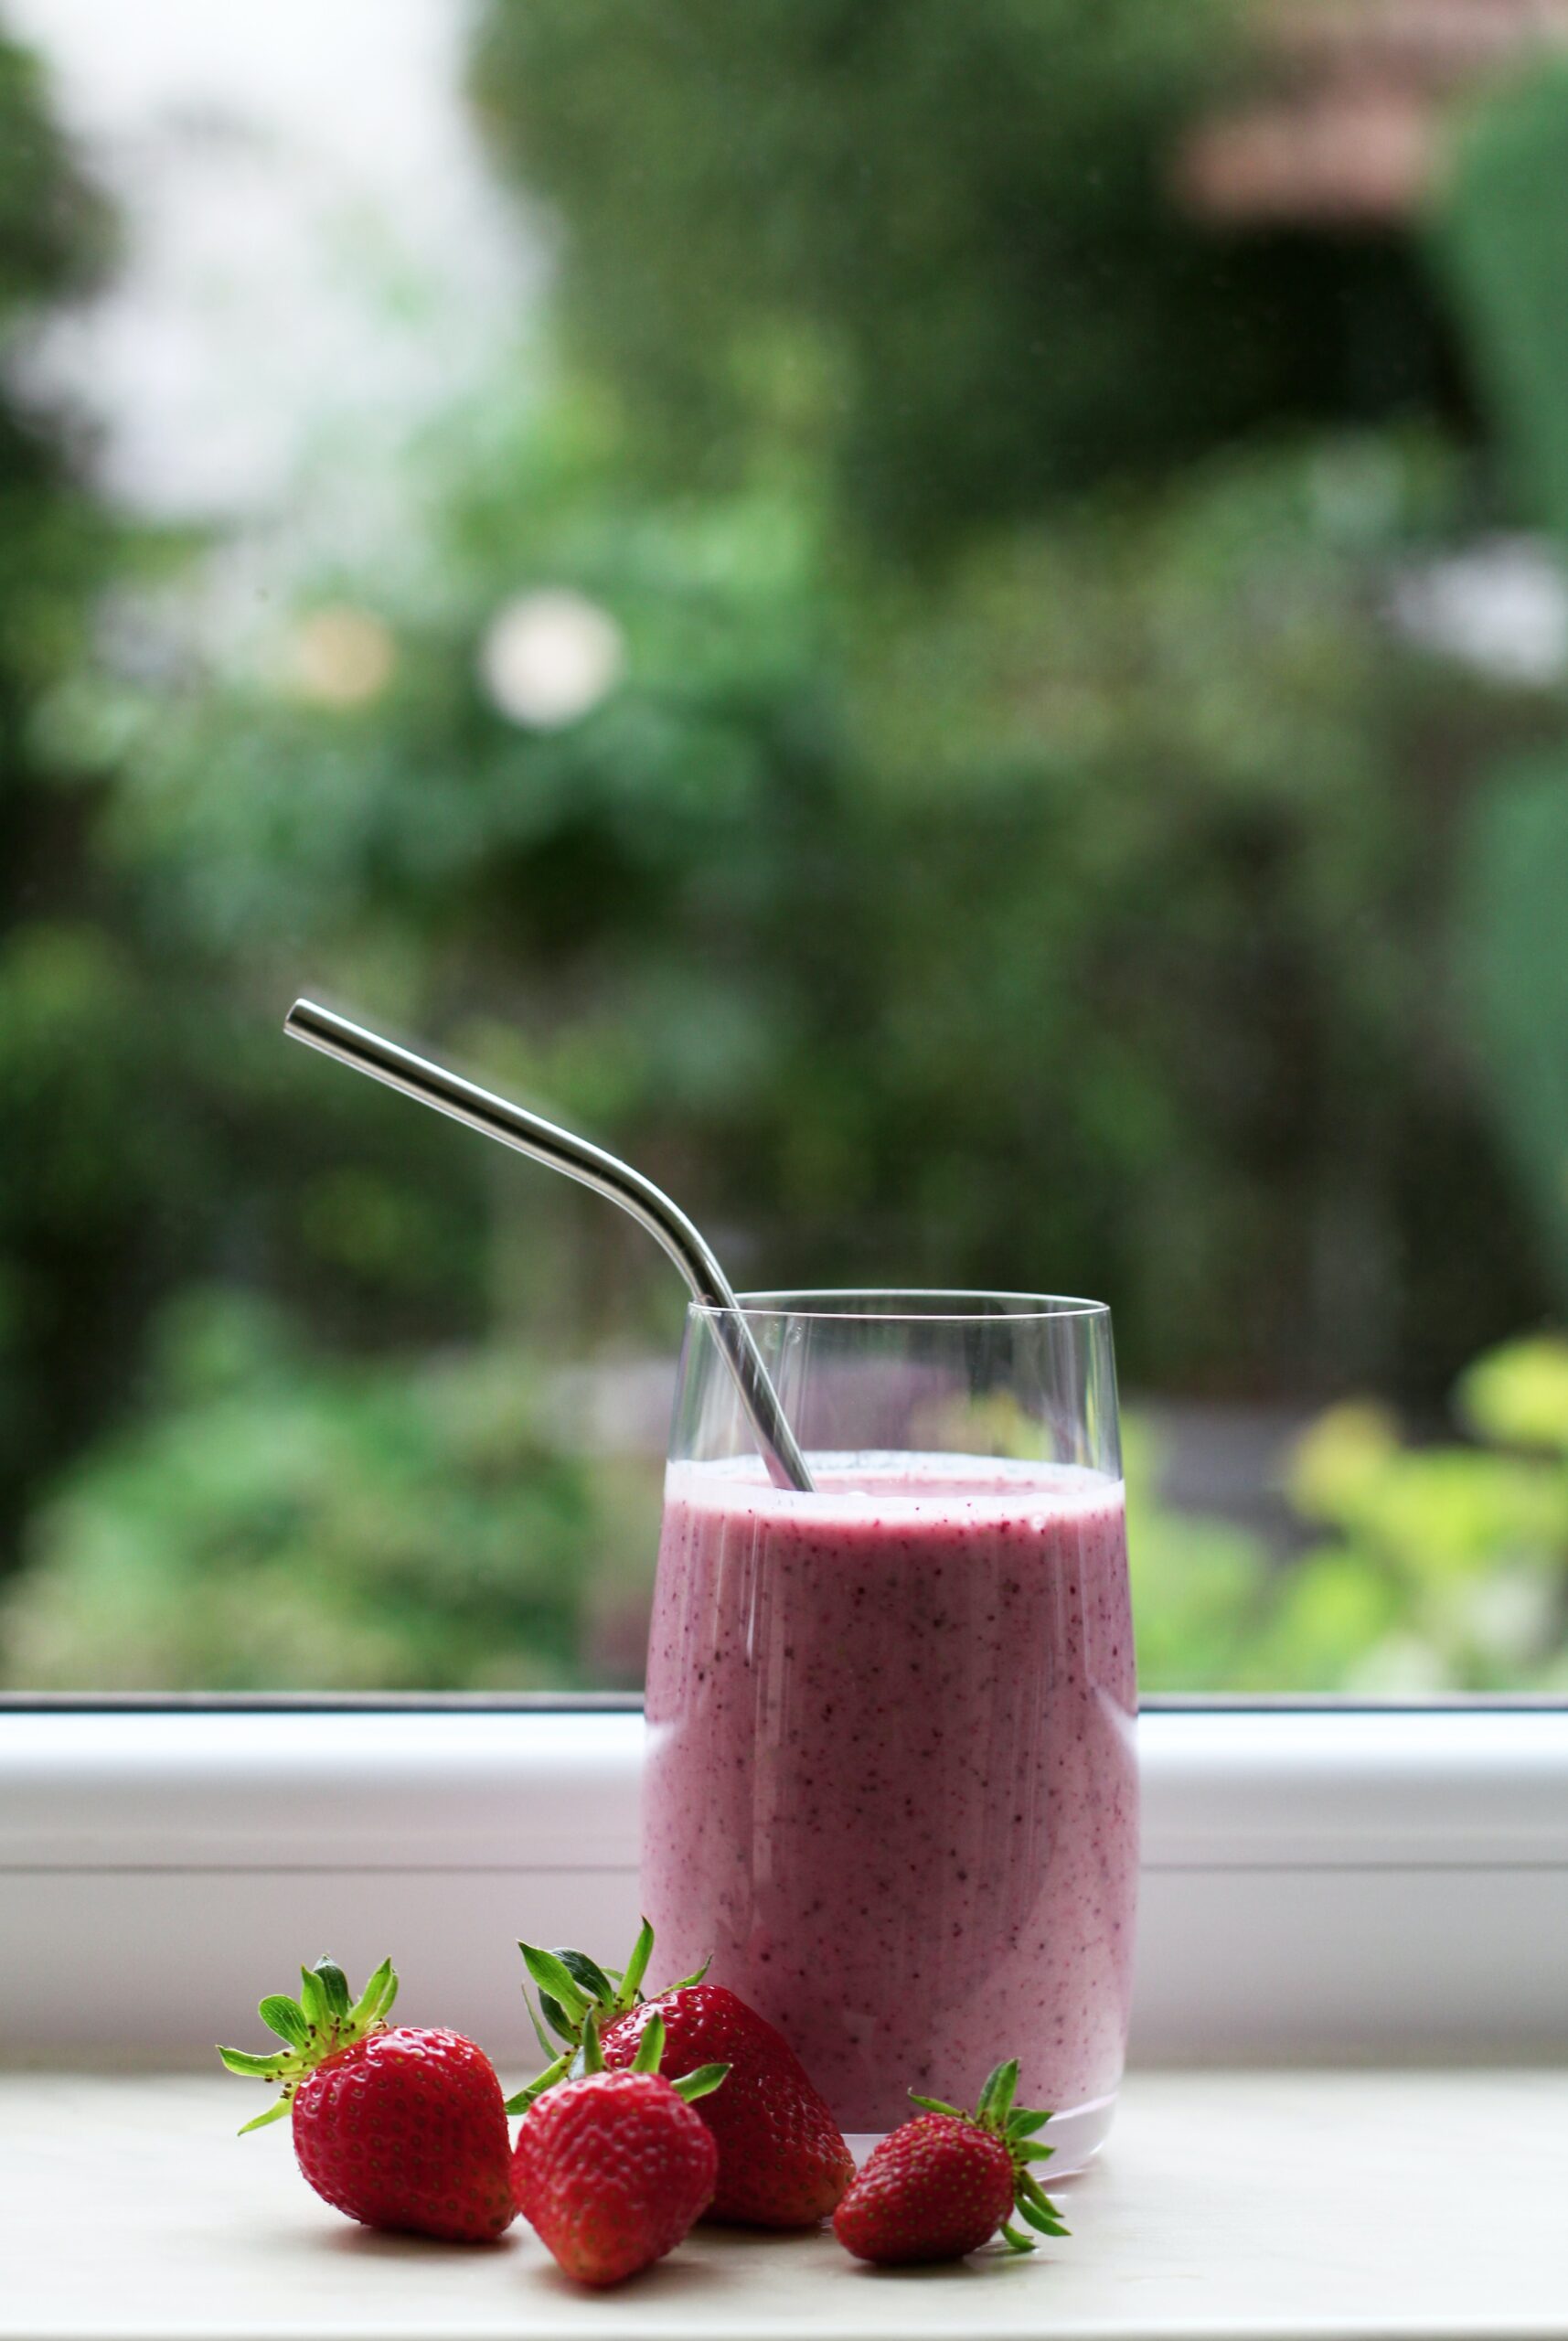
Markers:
404,2129
783,2161
613,2169
945,2182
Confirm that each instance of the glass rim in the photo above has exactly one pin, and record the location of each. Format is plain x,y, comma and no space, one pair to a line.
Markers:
815,1301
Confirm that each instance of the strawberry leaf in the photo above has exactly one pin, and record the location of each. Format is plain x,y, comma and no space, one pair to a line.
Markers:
701,2083
285,2017
591,2051
269,2068
650,2047
556,2016
553,1978
1044,2222
1014,2241
631,1982
333,1987
375,2001
540,2035
540,2082
312,2000
997,2097
588,1975
274,2113
1024,2123
1036,2205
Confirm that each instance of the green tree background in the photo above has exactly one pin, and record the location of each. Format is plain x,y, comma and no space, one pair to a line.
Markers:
1017,851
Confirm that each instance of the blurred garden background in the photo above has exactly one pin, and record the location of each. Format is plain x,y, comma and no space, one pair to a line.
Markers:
948,625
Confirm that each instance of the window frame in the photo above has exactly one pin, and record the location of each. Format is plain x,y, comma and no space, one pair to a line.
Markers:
1320,1882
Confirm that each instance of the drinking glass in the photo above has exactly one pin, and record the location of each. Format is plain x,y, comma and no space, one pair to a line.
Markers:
891,1785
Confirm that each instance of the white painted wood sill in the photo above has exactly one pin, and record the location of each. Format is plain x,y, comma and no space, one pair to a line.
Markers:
1334,1887
1289,2206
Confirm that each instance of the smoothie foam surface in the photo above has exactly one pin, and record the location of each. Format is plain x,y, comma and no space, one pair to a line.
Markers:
863,1487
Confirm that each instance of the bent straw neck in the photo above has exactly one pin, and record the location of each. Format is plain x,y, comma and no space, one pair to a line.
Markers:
514,1126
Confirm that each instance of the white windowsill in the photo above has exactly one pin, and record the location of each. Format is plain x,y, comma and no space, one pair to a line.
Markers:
433,1789
1321,2207
1316,1886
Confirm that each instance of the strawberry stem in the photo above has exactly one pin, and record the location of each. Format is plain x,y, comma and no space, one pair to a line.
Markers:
312,2028
578,1998
572,1987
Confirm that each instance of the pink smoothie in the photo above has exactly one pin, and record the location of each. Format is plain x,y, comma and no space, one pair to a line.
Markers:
891,1784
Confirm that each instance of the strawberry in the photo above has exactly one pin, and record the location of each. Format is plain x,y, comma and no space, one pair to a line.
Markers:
613,2169
783,2161
945,2182
403,2129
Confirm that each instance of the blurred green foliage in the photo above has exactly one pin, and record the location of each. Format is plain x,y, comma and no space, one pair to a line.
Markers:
1511,936
1080,923
1438,1568
1504,249
1449,1564
292,1522
68,1011
933,248
286,1520
1015,850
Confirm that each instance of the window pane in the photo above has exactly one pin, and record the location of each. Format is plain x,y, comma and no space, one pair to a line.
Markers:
947,625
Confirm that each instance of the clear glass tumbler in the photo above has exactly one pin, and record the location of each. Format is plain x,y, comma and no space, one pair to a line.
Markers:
891,1783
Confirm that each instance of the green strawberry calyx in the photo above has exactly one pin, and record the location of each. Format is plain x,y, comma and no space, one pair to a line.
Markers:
312,2028
1015,2126
578,1998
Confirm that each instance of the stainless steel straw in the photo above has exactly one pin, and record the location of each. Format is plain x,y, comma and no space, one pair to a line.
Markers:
514,1126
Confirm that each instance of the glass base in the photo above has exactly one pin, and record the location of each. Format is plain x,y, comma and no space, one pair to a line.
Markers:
1077,2135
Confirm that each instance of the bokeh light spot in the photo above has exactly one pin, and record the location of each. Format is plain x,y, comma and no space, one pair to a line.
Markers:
549,658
